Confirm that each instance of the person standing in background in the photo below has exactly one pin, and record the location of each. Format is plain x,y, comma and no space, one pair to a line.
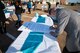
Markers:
58,5
29,6
34,5
49,6
2,18
18,11
9,3
44,5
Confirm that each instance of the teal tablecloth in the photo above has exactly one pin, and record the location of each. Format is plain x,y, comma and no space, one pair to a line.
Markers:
34,39
32,42
41,19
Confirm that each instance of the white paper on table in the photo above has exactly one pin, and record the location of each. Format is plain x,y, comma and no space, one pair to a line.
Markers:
39,27
22,28
48,21
35,27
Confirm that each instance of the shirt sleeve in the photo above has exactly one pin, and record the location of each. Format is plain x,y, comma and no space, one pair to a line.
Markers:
63,19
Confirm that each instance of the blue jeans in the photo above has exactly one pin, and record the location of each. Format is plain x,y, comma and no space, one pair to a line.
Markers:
19,17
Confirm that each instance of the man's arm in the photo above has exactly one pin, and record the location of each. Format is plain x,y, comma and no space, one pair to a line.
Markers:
63,18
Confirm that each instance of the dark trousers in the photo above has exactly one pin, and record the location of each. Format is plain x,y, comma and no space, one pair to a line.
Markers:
29,10
66,51
2,27
18,23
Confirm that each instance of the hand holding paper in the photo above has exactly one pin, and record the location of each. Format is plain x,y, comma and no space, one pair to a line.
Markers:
51,28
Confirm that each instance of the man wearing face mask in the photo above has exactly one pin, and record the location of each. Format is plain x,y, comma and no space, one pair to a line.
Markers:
69,21
52,15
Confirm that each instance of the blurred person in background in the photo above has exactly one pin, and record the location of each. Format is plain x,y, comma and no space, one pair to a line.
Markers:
49,6
29,6
44,5
58,5
18,11
34,5
9,3
2,18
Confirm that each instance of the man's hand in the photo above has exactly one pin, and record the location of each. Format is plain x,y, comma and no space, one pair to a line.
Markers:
51,32
51,28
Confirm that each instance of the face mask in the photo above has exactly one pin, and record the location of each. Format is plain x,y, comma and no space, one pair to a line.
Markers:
53,17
